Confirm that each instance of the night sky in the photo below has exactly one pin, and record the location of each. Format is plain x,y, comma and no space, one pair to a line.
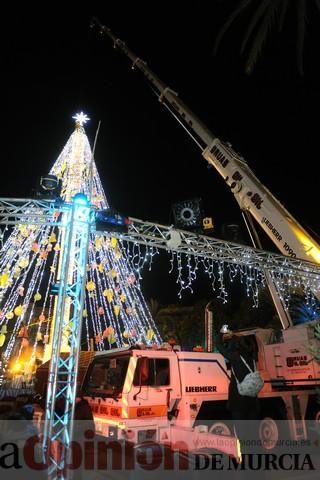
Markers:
55,66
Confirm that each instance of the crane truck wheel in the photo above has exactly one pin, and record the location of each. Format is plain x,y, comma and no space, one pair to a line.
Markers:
220,428
269,433
273,431
313,420
273,427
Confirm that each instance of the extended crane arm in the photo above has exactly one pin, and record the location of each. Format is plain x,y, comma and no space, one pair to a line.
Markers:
287,234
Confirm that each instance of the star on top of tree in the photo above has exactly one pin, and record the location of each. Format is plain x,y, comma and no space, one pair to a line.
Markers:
81,118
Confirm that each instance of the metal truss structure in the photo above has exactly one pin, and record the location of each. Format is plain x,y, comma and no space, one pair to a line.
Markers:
185,242
15,211
77,221
62,381
48,212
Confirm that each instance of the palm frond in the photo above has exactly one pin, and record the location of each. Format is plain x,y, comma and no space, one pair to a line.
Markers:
243,5
283,10
301,22
260,12
260,38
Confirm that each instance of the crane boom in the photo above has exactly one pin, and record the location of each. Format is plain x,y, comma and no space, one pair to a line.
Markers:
252,196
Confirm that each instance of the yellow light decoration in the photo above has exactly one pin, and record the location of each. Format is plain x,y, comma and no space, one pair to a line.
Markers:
111,339
98,243
90,286
118,255
63,166
18,310
24,232
57,248
108,293
9,315
122,297
16,272
100,267
3,332
114,242
116,310
85,313
23,262
37,297
53,238
4,278
150,334
113,274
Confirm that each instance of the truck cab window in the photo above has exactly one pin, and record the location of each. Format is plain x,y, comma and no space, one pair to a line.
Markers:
106,377
152,372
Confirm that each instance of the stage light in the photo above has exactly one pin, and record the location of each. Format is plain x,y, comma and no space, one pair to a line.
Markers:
207,223
49,182
187,214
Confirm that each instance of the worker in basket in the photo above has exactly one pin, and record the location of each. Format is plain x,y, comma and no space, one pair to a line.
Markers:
243,404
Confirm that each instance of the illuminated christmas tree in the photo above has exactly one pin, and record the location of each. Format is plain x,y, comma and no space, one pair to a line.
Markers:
115,312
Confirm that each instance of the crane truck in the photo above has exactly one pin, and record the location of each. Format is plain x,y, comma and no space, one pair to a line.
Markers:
162,394
121,385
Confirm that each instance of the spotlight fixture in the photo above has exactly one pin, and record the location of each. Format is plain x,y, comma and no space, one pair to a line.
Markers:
49,188
49,183
208,224
187,213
